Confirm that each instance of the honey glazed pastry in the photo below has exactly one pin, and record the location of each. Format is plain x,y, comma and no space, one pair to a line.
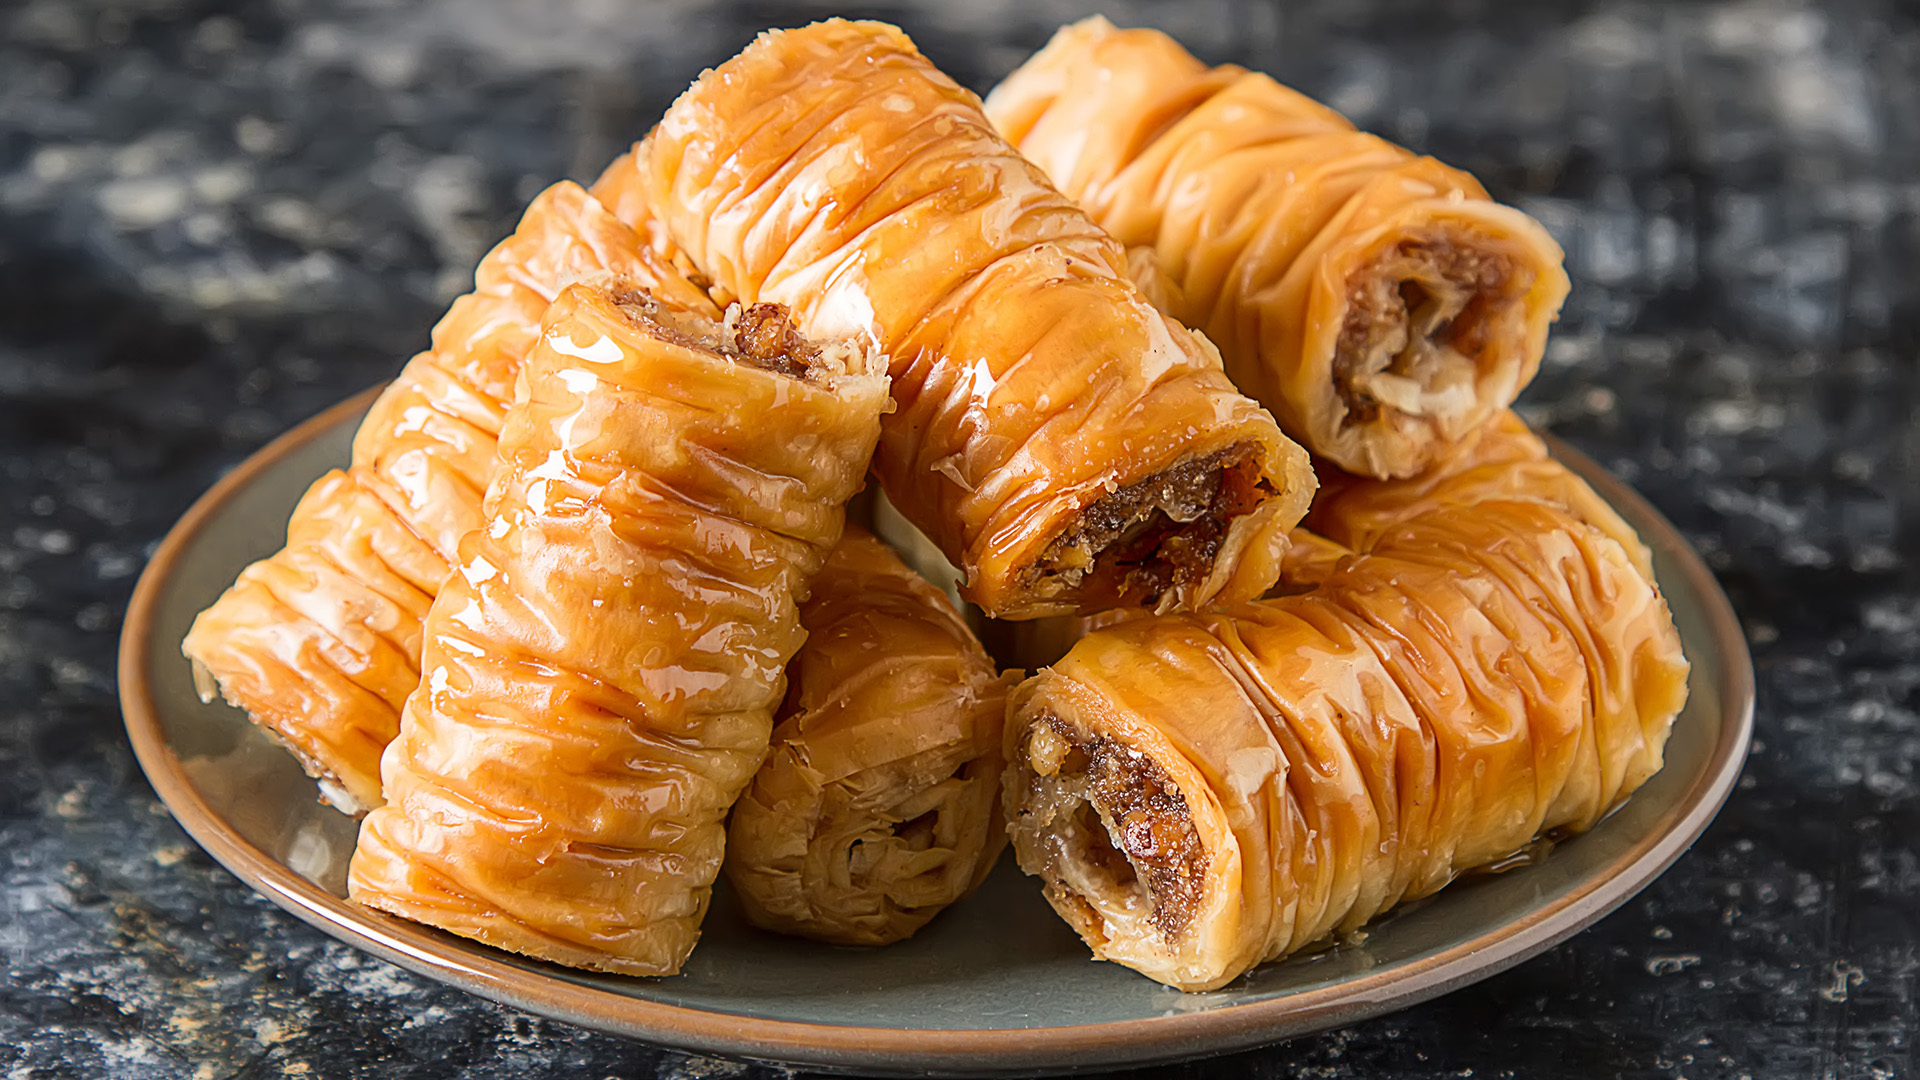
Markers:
320,642
1065,444
880,803
1377,301
1201,794
600,673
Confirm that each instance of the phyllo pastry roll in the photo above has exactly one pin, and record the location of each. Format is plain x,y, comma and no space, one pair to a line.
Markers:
1378,302
1065,444
320,642
1205,793
599,675
1504,460
880,804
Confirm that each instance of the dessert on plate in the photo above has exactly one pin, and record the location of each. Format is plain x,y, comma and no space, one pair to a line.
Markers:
1068,446
579,628
601,670
1380,303
880,803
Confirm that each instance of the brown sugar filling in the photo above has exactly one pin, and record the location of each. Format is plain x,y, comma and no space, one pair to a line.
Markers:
761,335
1119,829
1164,532
1420,319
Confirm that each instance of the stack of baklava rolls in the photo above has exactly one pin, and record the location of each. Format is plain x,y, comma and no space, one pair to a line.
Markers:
1468,650
582,623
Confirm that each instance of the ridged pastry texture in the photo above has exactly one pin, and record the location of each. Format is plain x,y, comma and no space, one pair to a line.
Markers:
320,642
1201,794
880,803
1066,445
600,673
1378,302
1504,460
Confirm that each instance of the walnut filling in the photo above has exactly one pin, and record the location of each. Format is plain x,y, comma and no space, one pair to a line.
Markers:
1421,320
1164,532
761,336
765,336
1120,841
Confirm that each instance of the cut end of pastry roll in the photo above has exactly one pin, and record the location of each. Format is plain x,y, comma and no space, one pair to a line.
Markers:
760,336
1127,839
1433,325
879,805
1160,542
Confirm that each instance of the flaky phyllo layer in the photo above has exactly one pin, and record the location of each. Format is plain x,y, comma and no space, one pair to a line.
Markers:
320,642
880,802
1503,460
599,675
1067,445
1204,793
1377,302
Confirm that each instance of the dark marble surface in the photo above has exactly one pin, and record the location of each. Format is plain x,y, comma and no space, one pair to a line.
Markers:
216,219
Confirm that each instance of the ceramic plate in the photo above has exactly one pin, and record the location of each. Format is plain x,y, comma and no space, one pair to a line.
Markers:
996,984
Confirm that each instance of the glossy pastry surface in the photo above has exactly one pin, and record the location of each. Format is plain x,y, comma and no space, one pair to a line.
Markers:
880,802
600,673
1201,794
320,642
1066,444
1378,302
1504,460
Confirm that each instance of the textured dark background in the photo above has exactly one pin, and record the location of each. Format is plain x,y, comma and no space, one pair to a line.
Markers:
215,220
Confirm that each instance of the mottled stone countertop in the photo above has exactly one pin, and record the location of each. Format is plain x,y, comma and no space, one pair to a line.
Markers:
216,218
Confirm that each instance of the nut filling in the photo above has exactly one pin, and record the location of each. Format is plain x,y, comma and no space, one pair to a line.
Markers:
1164,532
1119,831
1422,318
761,336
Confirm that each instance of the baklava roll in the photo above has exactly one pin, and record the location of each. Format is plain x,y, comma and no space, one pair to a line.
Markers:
600,674
880,804
1064,443
1201,794
1504,460
320,642
1378,302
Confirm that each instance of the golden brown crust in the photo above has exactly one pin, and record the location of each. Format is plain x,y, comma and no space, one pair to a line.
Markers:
1378,303
599,676
879,803
320,642
833,169
1289,769
1504,460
